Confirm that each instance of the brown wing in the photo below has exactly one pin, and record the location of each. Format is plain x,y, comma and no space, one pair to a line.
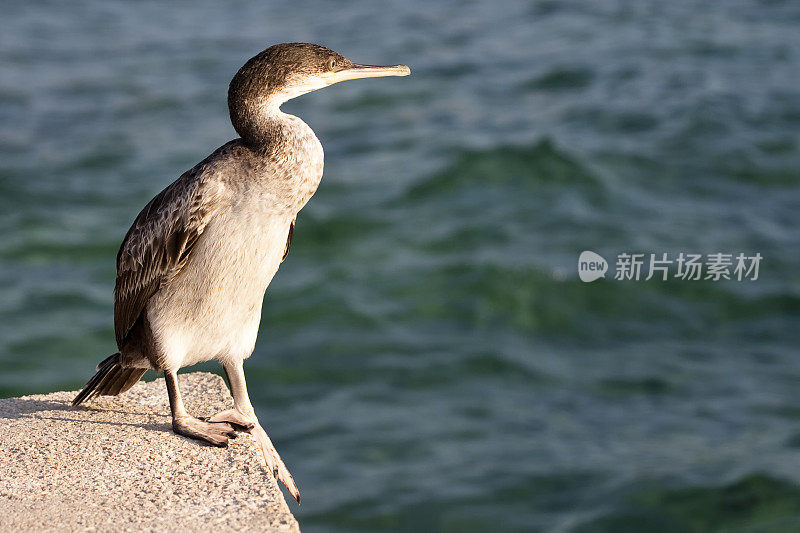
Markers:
160,242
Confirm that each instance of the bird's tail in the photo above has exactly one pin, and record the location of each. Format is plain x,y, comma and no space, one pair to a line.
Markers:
111,379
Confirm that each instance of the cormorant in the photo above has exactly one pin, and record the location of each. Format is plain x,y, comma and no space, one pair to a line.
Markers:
194,266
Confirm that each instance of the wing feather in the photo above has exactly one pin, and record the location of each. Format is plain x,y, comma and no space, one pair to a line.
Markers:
160,242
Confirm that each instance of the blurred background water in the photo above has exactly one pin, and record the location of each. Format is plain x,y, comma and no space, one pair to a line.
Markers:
428,358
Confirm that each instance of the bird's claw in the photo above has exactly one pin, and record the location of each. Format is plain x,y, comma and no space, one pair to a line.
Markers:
273,462
233,417
270,459
214,433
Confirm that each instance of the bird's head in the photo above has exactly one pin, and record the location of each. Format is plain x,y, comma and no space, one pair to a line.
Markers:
288,70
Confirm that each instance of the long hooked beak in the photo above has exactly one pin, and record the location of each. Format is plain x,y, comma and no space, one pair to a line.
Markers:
355,72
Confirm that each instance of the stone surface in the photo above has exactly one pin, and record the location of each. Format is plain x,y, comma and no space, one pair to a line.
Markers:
114,464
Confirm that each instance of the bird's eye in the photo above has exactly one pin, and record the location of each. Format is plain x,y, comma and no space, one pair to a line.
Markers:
331,64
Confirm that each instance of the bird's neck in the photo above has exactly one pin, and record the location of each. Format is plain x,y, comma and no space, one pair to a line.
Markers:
263,126
285,141
290,153
291,159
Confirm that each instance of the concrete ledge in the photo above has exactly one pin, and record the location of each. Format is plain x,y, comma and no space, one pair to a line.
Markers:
115,465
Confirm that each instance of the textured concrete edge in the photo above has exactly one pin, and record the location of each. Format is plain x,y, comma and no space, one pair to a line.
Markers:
115,465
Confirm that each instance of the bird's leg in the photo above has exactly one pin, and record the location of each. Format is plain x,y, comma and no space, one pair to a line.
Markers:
243,415
216,433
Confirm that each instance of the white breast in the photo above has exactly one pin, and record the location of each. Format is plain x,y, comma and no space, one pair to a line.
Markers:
212,309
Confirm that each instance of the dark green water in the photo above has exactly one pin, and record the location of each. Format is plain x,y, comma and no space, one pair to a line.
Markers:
428,358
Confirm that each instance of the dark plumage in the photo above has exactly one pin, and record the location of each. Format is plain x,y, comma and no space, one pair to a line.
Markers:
111,379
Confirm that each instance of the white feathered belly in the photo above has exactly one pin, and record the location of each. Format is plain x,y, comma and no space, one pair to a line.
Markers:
212,309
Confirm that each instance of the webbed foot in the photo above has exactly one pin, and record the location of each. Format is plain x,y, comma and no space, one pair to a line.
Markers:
233,417
269,455
214,433
273,461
